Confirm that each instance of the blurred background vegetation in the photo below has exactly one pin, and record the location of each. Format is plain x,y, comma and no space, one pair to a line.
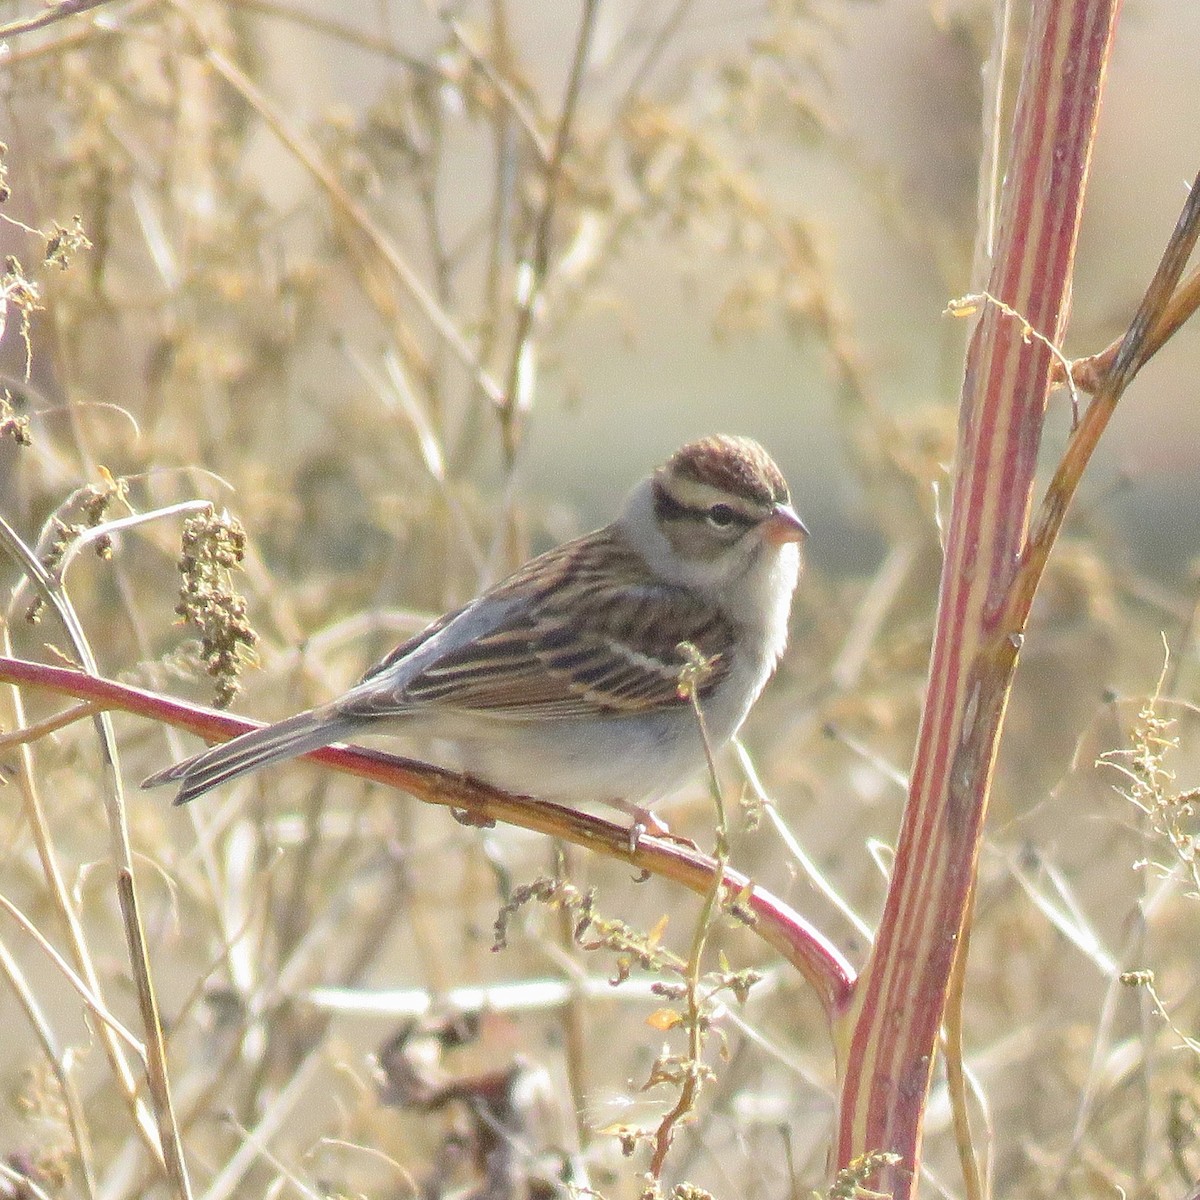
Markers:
352,277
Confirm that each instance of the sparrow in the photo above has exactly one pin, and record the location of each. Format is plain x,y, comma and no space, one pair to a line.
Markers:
562,682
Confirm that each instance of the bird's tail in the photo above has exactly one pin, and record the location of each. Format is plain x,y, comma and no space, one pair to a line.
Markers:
251,751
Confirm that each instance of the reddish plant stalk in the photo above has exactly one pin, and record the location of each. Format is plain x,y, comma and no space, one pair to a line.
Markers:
813,955
887,1037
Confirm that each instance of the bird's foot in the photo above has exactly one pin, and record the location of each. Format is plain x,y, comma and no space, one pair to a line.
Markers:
645,822
473,820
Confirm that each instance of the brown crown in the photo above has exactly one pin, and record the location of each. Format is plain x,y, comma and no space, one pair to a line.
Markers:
733,464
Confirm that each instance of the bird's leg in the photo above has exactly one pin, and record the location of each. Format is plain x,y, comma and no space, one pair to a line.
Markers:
464,816
645,822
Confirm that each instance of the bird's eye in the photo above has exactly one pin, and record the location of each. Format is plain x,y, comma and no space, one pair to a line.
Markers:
721,516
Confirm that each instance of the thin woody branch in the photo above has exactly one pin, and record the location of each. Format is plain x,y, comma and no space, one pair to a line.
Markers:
1165,306
49,15
829,974
1090,374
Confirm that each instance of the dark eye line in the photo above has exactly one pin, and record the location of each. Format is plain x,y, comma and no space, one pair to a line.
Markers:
667,508
729,517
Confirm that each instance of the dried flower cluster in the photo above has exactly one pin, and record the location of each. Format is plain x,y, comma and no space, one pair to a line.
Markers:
214,545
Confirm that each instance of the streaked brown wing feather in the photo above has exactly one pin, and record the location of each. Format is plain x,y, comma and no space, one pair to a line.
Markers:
593,647
408,646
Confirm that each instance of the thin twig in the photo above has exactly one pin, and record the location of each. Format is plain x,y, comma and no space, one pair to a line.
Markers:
1102,1041
282,1106
518,107
169,1146
572,1013
956,1080
57,1059
987,205
690,679
1132,352
308,155
22,1184
33,733
809,868
397,393
52,872
107,528
338,31
531,275
60,10
1088,373
91,999
654,52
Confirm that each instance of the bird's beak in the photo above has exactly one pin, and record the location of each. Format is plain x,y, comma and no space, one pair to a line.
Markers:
784,526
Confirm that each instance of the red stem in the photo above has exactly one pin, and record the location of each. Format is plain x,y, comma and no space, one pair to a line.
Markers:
889,1034
817,959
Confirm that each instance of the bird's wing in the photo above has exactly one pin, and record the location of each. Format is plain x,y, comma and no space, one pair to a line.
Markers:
576,639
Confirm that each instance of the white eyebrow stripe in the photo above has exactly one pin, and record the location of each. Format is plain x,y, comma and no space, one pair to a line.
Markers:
693,494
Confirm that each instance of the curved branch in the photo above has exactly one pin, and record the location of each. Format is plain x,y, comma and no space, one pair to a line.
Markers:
828,973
